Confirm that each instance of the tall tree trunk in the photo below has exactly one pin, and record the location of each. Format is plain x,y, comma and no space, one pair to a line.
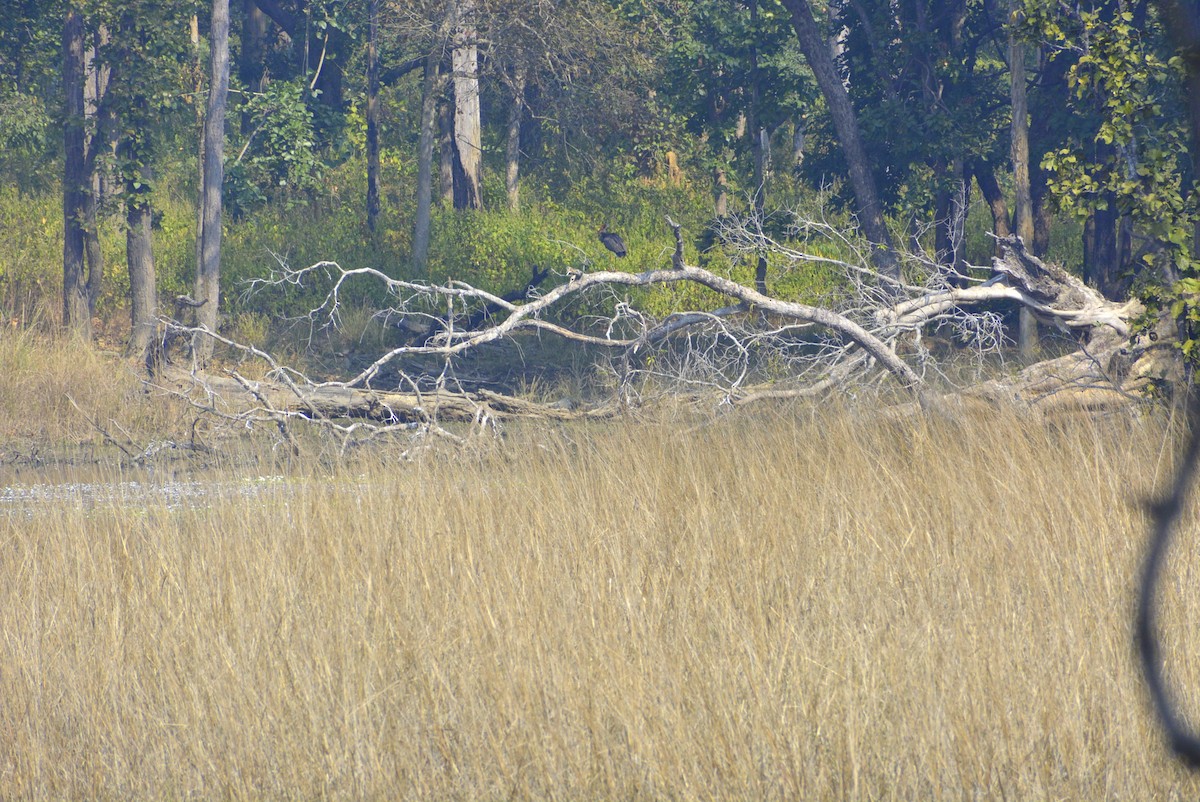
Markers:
208,272
95,87
372,114
76,310
445,121
1027,337
199,88
1023,202
252,54
512,150
845,122
758,147
1101,249
468,137
139,254
429,109
1183,19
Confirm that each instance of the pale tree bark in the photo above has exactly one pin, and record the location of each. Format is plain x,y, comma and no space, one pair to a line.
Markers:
198,73
208,271
445,122
512,150
139,253
468,136
845,122
97,139
429,104
372,113
76,310
1027,334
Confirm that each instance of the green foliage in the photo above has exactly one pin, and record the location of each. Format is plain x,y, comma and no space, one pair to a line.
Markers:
1137,156
1133,157
277,161
24,136
722,56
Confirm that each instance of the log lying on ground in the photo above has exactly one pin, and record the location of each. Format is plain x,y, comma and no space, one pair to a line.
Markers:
234,395
1112,366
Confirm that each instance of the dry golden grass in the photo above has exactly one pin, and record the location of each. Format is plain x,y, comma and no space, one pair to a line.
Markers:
824,607
40,375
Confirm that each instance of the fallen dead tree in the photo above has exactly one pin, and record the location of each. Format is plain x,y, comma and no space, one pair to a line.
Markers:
873,334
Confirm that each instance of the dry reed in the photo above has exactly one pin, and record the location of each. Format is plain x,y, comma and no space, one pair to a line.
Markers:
819,606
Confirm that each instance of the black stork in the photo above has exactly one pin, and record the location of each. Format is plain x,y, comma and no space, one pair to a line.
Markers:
612,241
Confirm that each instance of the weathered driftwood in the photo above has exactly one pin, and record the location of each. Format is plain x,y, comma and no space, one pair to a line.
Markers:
1112,366
233,394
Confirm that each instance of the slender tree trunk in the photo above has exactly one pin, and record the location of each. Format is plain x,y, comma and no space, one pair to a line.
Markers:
512,151
208,272
372,114
1101,249
139,252
845,122
429,108
252,54
76,310
1027,337
95,87
445,121
468,139
758,150
198,70
1023,202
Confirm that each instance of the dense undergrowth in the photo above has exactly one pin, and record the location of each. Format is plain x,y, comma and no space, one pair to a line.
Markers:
495,248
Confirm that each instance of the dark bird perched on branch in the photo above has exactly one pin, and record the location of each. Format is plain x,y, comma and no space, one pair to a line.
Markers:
612,241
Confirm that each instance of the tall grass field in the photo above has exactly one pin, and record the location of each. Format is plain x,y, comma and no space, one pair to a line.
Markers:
784,605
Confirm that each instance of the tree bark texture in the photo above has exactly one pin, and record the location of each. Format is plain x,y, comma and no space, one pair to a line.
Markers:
445,121
1027,336
1023,203
252,55
468,135
143,295
97,113
429,108
512,150
76,309
372,113
208,272
845,122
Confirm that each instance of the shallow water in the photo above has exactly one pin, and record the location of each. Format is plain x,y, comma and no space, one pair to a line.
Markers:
40,490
